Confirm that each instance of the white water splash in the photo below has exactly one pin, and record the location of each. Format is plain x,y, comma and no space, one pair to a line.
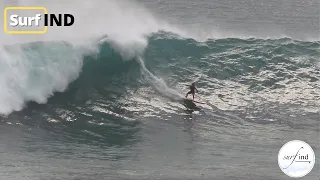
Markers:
158,83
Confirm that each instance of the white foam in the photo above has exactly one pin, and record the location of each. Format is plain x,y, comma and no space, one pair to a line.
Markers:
158,83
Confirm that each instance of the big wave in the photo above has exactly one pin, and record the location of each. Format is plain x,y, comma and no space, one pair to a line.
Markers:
33,68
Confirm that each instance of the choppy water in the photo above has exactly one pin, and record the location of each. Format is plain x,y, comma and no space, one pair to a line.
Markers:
105,101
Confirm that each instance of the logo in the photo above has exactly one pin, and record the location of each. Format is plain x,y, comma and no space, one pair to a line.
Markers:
296,158
32,20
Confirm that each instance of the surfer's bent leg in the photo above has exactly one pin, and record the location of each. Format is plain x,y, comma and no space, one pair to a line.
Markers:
188,93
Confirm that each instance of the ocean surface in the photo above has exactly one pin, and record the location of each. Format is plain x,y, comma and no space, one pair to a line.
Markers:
103,99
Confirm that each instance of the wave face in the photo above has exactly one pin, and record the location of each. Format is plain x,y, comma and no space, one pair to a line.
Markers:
246,72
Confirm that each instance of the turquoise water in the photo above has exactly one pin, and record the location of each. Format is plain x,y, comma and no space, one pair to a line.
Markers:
111,107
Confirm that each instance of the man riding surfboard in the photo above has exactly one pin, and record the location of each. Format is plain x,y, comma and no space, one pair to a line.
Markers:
192,88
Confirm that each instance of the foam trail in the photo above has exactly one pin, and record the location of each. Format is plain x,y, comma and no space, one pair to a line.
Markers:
157,83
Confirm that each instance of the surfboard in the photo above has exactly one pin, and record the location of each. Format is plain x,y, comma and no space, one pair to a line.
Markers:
194,101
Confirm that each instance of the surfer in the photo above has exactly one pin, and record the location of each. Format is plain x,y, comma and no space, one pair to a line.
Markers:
192,88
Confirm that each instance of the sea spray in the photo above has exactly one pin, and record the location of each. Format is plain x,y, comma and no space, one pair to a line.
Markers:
158,83
33,72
